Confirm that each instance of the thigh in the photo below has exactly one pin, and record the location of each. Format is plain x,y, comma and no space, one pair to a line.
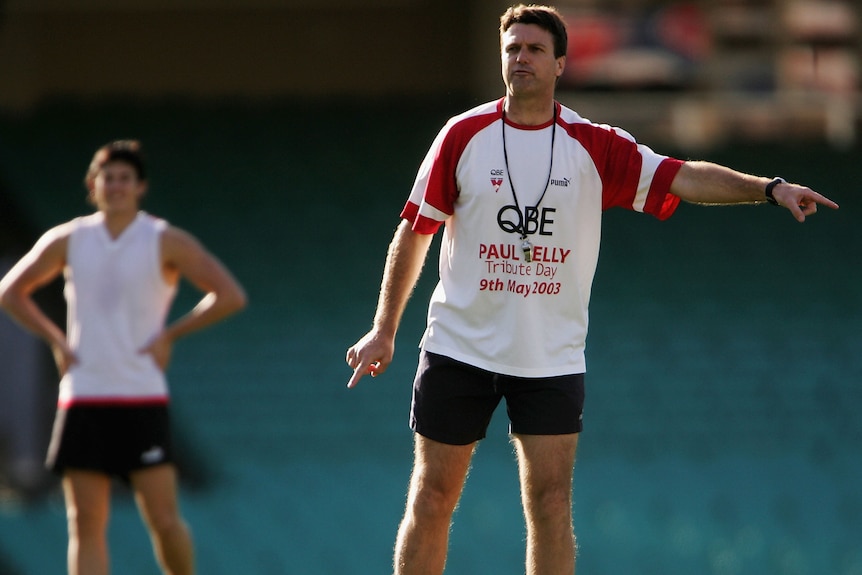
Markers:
440,467
452,401
87,495
545,462
155,491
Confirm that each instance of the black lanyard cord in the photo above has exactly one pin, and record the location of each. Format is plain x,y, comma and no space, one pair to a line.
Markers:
522,227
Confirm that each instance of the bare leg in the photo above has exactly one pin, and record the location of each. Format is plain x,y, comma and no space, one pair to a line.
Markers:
156,494
546,463
439,472
88,500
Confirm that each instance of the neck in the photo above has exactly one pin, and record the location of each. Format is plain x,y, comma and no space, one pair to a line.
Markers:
529,112
117,222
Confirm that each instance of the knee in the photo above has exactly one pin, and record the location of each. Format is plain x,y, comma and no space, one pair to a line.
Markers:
432,500
165,524
550,503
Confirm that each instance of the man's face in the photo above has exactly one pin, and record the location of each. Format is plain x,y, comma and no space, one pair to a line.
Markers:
529,65
117,187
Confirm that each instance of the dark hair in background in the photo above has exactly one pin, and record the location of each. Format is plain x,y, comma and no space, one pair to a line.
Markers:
128,151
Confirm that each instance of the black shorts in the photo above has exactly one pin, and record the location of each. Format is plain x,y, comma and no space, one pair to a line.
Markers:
114,440
453,402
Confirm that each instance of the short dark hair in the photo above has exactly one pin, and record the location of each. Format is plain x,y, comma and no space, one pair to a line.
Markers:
128,151
546,17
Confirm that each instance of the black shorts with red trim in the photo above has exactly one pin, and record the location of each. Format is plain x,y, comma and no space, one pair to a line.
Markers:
111,439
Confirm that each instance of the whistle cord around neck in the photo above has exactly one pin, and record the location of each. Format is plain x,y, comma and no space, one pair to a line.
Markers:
522,214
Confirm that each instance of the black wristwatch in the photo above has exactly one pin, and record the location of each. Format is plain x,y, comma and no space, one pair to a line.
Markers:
770,186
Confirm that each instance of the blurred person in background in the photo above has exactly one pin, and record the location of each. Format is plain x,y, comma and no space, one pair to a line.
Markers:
121,267
520,184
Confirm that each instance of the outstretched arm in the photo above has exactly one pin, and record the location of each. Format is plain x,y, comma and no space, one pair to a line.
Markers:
184,256
708,183
404,260
41,265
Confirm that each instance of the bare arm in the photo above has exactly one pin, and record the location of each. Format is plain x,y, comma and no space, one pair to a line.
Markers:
184,256
708,183
404,260
41,265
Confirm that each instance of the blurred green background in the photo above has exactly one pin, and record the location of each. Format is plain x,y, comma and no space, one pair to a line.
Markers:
721,428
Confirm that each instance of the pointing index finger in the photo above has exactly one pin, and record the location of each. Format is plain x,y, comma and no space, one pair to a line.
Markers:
361,370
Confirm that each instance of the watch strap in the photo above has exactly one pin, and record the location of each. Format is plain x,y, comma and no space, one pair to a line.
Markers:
771,186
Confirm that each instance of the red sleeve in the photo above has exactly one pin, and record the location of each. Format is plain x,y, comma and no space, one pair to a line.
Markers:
436,185
421,224
620,162
660,202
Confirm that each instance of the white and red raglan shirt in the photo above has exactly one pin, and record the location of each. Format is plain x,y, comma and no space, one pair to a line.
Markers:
118,300
491,308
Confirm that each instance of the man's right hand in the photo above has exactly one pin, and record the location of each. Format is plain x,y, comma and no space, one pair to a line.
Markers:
370,355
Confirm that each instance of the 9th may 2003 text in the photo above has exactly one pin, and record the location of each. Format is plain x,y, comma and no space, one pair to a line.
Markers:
504,259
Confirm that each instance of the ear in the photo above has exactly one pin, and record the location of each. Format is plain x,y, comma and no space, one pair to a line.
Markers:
561,65
90,185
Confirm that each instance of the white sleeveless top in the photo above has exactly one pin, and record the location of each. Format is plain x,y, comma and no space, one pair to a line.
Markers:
118,300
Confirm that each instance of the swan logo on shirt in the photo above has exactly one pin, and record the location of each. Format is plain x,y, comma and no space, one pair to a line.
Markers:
496,179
